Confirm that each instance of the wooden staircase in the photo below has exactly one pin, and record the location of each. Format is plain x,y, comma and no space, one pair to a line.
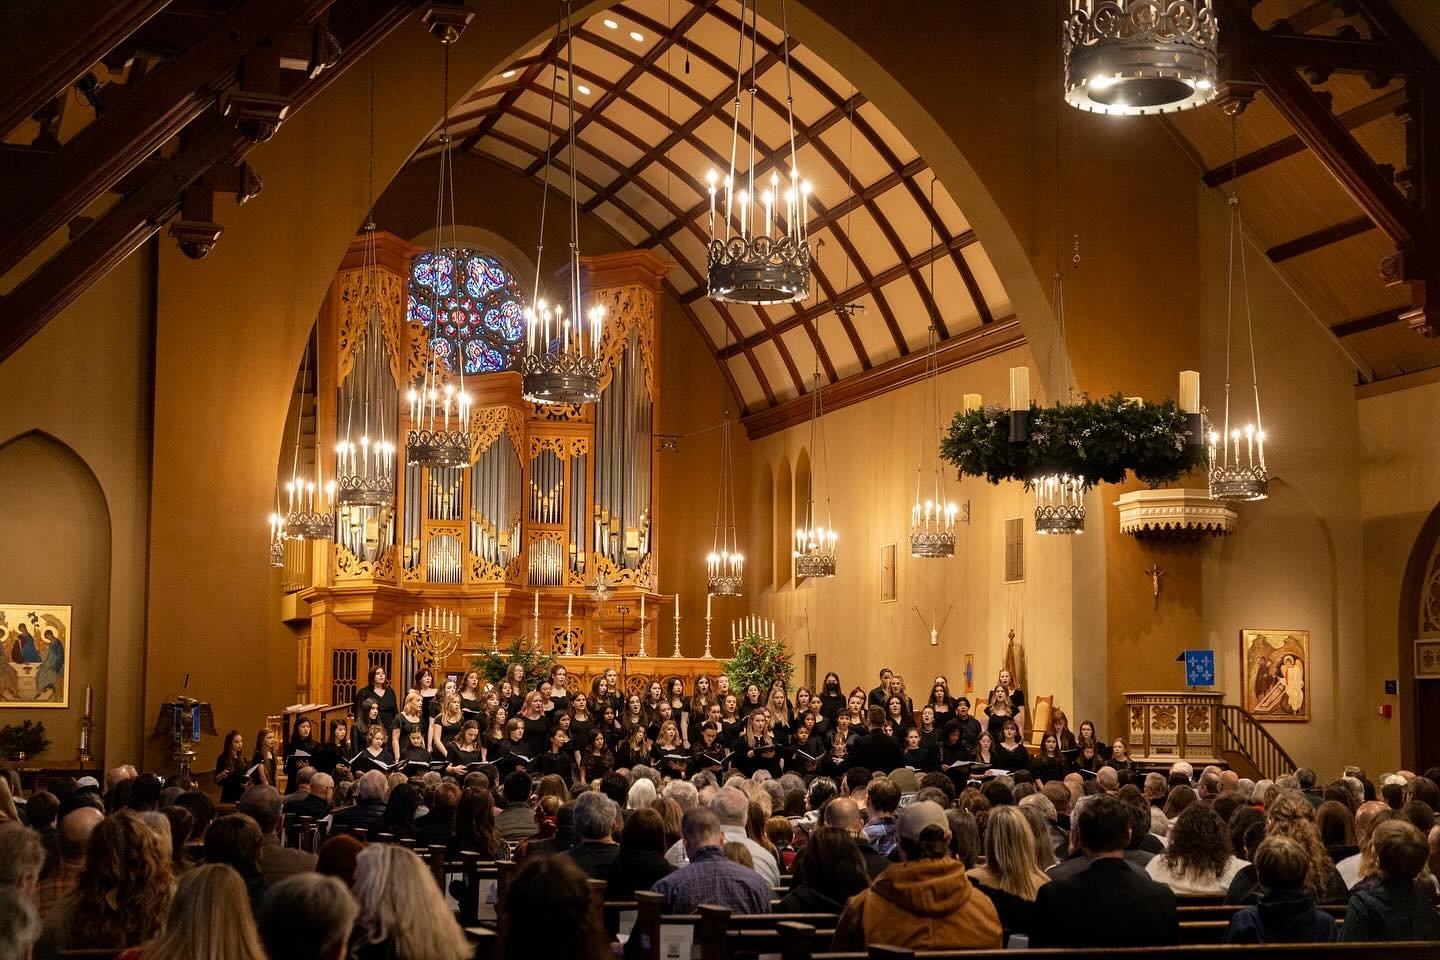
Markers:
1248,747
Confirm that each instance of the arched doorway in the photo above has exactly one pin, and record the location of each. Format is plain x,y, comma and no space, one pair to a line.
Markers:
1418,631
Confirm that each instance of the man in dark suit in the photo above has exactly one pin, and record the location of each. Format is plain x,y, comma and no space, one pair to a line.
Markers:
312,799
370,793
878,694
876,750
1108,904
262,804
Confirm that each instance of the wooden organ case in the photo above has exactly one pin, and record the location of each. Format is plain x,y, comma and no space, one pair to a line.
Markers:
555,501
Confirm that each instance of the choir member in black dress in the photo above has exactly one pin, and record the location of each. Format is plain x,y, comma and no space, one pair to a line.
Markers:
633,715
663,714
230,768
1006,682
654,696
699,710
464,750
831,696
1010,753
335,750
493,734
411,717
596,760
559,759
367,717
611,727
757,750
836,762
1049,764
940,702
582,721
536,725
855,706
708,751
917,757
376,755
511,753
929,733
635,749
781,724
414,752
1120,757
953,746
1087,759
265,758
1087,735
378,689
1060,726
668,754
301,749
806,752
679,706
446,723
969,726
472,696
424,685
516,679
559,691
730,720
984,757
896,718
751,700
602,694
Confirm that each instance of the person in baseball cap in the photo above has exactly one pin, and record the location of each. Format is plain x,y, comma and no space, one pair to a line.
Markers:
924,902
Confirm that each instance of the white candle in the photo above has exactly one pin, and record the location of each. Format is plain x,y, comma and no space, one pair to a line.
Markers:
569,604
537,604
642,611
677,606
707,606
1019,388
89,700
495,606
1189,391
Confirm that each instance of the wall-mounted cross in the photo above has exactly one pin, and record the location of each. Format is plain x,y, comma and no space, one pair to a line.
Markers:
1155,573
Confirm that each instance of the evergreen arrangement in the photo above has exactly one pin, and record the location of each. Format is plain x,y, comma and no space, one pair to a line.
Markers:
494,667
1100,440
23,739
761,661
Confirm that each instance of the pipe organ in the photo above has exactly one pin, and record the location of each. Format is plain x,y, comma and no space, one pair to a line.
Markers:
554,501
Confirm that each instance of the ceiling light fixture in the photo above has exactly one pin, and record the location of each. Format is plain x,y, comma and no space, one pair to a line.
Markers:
637,36
610,24
562,361
508,74
751,261
1132,57
584,90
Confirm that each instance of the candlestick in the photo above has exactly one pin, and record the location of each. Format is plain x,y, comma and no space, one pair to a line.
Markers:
642,625
677,626
495,623
535,631
707,629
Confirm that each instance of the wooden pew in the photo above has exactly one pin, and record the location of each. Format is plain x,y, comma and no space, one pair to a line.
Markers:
718,932
793,940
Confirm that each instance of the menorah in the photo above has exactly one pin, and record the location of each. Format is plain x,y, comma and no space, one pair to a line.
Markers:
433,635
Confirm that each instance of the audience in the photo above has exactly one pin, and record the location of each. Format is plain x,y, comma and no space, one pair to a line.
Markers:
262,804
209,918
595,816
1197,862
708,876
403,914
549,899
641,861
307,917
828,872
1393,906
19,924
1285,912
924,902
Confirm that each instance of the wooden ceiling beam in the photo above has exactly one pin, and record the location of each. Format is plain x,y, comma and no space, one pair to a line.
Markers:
47,45
1343,54
527,76
1354,118
1374,321
121,137
141,213
1317,239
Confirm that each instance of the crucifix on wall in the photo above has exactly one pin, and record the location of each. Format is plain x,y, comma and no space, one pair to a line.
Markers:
1155,573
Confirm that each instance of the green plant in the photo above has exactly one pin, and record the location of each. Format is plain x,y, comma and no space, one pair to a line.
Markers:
760,661
1100,440
27,738
495,666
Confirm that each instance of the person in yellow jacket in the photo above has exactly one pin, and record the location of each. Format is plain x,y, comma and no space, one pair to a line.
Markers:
924,902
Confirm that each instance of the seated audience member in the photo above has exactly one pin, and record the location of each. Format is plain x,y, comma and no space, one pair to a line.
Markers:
1197,861
1067,912
924,902
828,872
516,820
876,750
307,917
21,857
202,809
1394,907
337,858
181,823
437,826
732,808
262,804
883,798
209,917
1010,876
475,828
19,924
312,798
74,834
710,877
122,895
398,820
403,914
550,898
235,840
844,813
594,816
1289,814
370,793
641,860
1285,913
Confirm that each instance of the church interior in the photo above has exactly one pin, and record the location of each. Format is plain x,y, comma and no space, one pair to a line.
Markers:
394,333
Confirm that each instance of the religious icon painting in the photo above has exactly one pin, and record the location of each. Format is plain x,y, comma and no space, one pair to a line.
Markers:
34,655
969,673
1276,676
1427,659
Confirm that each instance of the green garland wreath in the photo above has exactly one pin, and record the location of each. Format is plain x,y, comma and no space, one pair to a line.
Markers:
1100,440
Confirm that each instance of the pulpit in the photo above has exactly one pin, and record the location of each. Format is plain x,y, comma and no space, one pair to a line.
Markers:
1165,726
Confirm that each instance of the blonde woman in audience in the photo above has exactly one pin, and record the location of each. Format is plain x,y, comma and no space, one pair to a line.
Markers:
122,894
8,811
403,914
209,920
641,795
1010,855
1197,861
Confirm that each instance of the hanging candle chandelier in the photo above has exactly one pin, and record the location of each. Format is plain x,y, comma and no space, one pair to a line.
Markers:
1234,477
561,361
439,410
1133,57
309,515
759,249
932,518
276,551
814,544
725,566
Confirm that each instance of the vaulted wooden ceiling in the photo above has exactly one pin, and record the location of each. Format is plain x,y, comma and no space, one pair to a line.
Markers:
655,91
119,117
1339,161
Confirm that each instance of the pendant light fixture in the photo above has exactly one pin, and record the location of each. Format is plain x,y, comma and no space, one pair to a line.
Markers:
759,250
814,544
1133,57
561,361
1233,477
439,409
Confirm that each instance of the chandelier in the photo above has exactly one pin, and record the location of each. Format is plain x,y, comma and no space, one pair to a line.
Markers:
431,441
305,518
815,545
759,250
1232,477
1059,504
932,518
725,566
1133,57
432,635
562,362
276,551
